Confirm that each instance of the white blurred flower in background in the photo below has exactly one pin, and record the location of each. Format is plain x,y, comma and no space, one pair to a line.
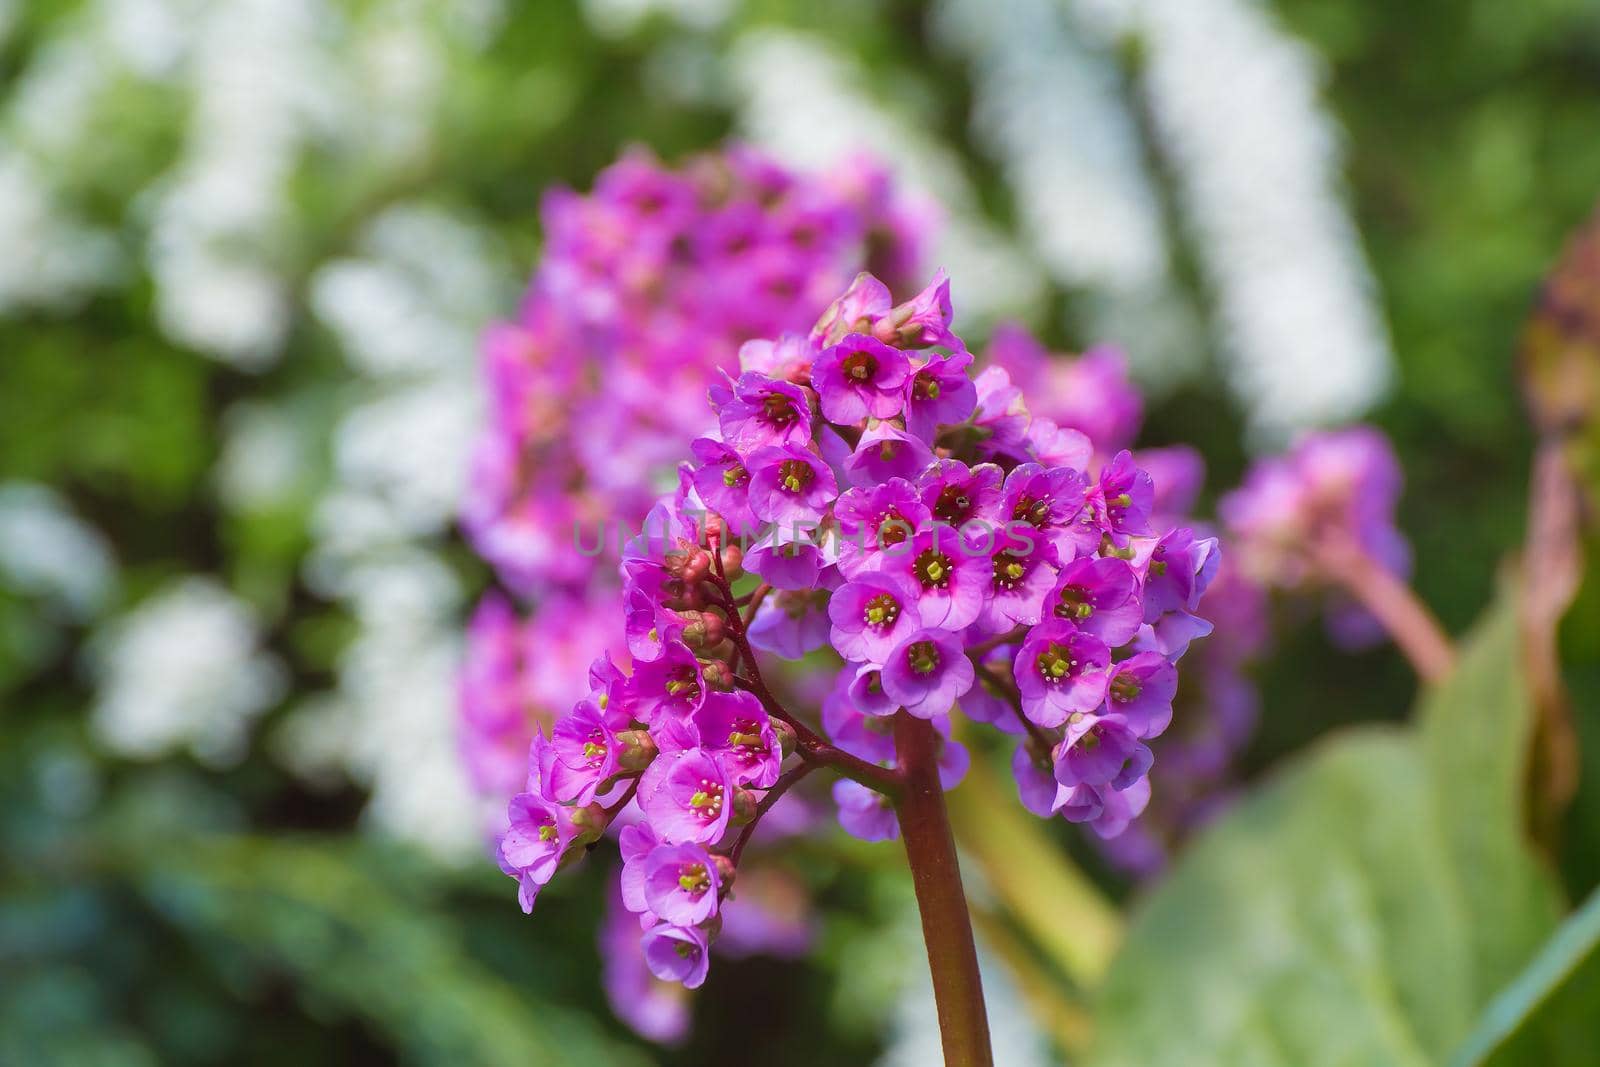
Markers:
49,554
51,259
1235,105
803,100
1051,108
914,1027
407,313
265,457
184,670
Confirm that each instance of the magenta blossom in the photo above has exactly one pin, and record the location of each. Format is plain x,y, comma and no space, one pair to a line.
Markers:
950,575
885,452
867,692
791,624
856,310
1099,596
531,847
1177,572
667,689
1123,498
1100,750
687,796
1140,691
757,410
677,954
1060,670
958,495
722,482
1003,417
1022,572
860,377
586,749
789,484
1047,500
922,322
793,556
864,813
939,393
872,614
926,672
1037,787
736,731
869,735
877,523
681,884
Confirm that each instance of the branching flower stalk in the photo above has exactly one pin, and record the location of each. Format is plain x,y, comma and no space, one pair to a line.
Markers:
916,531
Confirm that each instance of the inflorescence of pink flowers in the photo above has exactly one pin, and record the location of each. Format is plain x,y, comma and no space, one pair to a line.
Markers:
912,530
1302,520
864,491
646,287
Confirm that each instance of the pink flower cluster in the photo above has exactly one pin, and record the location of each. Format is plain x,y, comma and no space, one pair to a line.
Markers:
1217,704
1300,520
1333,491
646,287
866,496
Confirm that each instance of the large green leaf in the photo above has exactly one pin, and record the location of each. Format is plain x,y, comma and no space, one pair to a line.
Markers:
1547,1017
356,947
1360,909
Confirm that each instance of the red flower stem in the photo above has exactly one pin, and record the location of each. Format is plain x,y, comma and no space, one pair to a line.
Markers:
771,797
756,597
976,651
1407,619
812,746
1040,738
936,875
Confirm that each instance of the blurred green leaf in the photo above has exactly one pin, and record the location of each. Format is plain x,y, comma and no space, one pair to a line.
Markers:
1546,1017
330,919
1360,909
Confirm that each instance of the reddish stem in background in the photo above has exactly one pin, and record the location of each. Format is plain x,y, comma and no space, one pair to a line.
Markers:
1407,619
936,875
1040,738
771,797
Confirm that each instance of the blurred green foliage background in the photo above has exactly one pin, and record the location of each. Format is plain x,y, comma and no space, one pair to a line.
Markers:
177,906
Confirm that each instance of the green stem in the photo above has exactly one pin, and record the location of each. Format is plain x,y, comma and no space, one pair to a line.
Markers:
946,926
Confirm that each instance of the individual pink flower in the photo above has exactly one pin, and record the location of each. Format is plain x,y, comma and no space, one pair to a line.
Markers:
789,484
871,614
864,813
1100,750
885,452
687,796
677,954
1100,596
756,411
860,377
939,392
957,494
1060,670
681,884
926,672
735,730
877,523
1140,691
